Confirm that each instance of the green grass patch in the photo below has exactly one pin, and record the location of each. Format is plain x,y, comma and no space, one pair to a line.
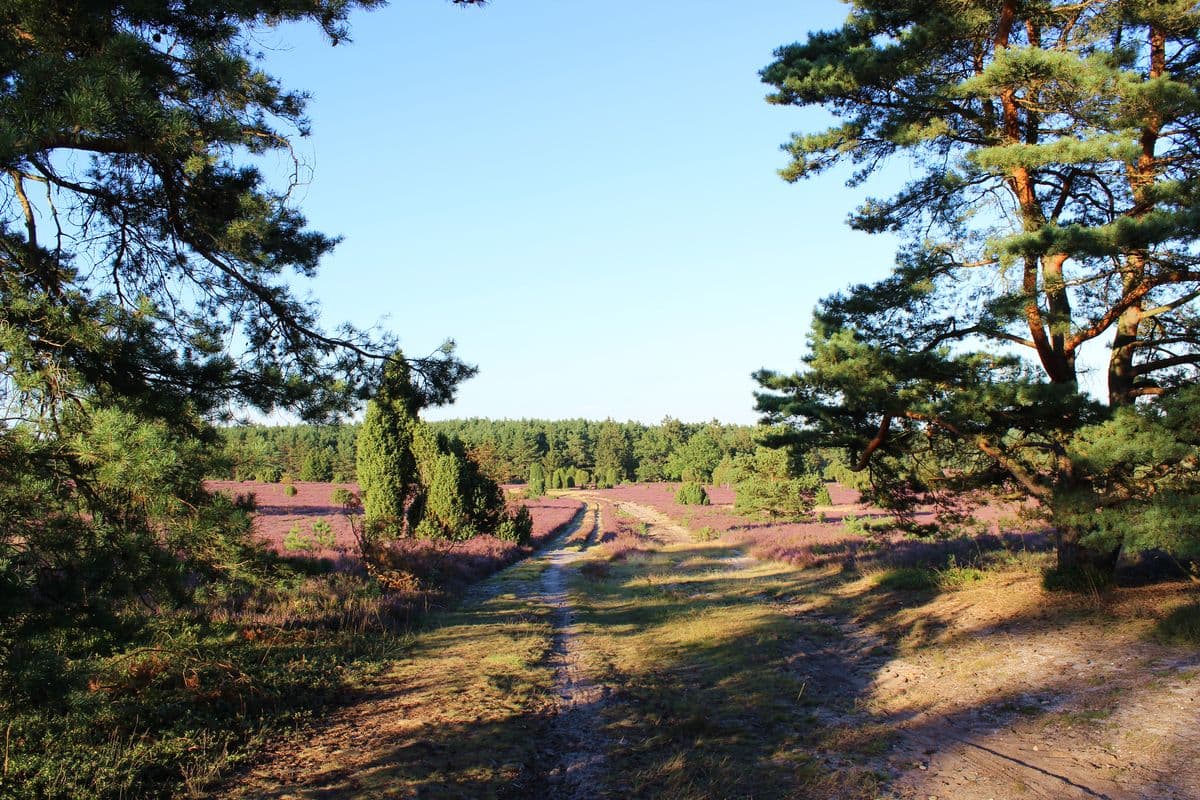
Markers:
182,705
955,577
908,579
1181,626
706,698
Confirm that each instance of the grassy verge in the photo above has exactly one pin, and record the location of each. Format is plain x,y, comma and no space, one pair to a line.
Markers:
161,706
461,714
169,703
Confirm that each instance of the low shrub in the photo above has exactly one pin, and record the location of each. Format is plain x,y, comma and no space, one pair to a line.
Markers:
785,498
516,527
1181,626
956,577
290,490
692,494
706,534
1085,579
909,579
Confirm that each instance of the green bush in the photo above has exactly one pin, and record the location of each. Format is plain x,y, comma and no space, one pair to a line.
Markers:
385,459
956,577
568,480
323,533
316,467
290,490
343,497
1181,626
691,494
606,478
790,498
537,481
268,474
518,527
706,534
582,478
909,579
1084,579
822,498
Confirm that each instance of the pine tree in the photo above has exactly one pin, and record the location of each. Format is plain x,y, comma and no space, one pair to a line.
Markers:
145,278
1058,153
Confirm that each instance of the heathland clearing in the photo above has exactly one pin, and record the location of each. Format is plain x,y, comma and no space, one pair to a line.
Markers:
640,657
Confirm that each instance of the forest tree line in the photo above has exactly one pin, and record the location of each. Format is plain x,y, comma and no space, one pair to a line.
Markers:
504,449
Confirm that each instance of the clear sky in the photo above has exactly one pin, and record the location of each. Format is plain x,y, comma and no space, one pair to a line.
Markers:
583,194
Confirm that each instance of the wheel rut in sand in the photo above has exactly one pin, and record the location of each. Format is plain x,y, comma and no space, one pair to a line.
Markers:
578,744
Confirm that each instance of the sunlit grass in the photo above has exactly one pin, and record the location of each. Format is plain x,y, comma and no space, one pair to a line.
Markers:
707,703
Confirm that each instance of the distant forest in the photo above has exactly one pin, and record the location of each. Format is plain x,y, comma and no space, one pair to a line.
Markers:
504,449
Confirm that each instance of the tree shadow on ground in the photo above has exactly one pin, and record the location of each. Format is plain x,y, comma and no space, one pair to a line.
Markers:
787,706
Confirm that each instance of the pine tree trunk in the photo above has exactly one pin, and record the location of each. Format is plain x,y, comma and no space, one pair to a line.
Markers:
1073,555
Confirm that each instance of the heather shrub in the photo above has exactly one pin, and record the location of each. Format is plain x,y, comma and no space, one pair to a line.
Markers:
692,494
595,570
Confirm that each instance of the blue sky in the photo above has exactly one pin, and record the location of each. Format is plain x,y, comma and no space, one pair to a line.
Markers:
583,194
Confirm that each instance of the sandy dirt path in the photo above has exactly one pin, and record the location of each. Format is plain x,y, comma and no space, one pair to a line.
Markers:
492,702
579,743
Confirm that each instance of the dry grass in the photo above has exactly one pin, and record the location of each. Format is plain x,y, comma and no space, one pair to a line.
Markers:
460,715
